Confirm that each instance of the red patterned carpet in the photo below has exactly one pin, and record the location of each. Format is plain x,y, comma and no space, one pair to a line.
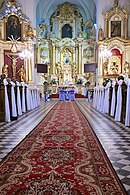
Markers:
61,156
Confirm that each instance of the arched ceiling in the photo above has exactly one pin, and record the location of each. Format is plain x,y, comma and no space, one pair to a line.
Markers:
45,8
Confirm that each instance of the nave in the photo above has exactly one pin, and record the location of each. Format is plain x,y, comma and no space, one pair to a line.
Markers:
114,137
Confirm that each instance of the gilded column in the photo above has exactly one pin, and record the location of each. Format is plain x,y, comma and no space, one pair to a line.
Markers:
80,59
1,59
53,59
29,70
106,29
126,32
123,29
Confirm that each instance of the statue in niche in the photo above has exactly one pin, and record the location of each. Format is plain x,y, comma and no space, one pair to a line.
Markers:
66,31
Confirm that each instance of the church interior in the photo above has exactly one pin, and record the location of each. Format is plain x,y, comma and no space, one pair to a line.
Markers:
65,97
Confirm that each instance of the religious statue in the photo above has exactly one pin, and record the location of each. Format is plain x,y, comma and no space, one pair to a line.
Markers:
22,74
87,30
126,67
59,71
5,70
14,65
105,68
31,33
115,3
87,76
100,34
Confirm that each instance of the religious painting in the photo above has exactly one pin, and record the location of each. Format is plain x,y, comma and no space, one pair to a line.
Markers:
115,28
67,31
114,65
13,28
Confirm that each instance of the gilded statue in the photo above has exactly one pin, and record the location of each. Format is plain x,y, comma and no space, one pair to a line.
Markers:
22,74
5,70
105,68
100,34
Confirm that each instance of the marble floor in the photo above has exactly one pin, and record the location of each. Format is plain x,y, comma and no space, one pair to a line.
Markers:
114,137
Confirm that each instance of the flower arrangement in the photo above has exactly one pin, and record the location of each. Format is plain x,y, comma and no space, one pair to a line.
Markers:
53,81
79,81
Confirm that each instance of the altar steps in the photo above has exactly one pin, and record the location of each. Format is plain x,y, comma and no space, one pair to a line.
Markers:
55,96
76,96
79,95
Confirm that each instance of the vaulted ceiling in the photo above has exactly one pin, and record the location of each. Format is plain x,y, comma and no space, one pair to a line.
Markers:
45,8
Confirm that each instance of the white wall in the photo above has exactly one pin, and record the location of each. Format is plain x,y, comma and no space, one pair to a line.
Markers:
29,8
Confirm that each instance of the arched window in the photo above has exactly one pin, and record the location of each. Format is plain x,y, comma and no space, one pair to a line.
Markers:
67,31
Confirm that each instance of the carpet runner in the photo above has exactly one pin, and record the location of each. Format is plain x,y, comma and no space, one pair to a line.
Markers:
61,156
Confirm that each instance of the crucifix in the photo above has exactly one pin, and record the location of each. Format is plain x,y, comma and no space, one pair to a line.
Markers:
14,64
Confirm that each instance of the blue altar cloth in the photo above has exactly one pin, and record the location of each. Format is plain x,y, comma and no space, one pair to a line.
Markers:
67,95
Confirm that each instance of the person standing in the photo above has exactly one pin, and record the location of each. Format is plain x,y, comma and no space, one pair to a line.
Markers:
45,90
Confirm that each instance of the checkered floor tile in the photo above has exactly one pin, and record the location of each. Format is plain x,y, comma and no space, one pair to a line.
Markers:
114,137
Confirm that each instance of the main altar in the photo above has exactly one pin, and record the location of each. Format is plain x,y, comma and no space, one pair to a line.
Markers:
66,47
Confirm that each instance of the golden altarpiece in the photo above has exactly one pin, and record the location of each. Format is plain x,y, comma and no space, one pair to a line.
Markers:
67,47
114,45
16,40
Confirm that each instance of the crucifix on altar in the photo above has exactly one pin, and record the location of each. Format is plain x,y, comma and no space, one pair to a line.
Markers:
14,63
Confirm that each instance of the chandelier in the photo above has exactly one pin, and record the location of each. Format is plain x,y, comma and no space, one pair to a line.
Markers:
105,53
26,54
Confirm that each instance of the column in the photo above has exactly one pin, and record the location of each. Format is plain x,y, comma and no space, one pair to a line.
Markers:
53,58
29,70
80,59
1,60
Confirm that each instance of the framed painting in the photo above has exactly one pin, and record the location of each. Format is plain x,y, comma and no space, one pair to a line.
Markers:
13,28
115,28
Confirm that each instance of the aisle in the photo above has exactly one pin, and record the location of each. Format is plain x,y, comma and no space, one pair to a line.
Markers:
60,156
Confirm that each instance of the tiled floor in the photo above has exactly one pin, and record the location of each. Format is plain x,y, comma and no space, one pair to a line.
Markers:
114,137
11,134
